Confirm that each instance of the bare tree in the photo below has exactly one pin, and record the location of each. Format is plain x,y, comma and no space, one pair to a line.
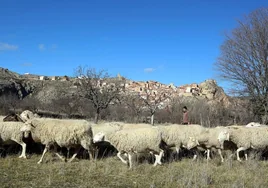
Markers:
99,88
244,60
135,103
67,105
153,101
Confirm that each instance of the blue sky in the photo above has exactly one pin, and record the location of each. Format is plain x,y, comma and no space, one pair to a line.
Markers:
168,41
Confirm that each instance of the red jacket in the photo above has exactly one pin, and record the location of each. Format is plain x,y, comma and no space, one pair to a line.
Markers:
185,117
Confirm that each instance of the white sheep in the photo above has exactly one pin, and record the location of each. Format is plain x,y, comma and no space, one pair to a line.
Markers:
255,124
207,139
178,135
62,133
13,131
132,141
245,138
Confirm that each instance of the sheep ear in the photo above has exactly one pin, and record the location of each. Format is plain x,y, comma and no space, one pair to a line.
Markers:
197,142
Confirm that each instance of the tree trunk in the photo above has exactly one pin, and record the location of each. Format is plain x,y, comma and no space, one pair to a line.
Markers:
152,119
97,115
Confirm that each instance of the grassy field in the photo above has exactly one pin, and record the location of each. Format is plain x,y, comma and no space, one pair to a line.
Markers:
111,172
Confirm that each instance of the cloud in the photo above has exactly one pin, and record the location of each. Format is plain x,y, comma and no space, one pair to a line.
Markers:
148,70
41,47
7,47
26,64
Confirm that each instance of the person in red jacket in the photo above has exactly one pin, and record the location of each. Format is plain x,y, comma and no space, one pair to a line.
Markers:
185,116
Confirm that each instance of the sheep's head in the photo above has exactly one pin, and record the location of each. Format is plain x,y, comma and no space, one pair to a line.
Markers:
27,115
192,142
223,136
99,137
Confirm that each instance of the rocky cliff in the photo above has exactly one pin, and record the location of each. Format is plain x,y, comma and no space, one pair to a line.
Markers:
11,83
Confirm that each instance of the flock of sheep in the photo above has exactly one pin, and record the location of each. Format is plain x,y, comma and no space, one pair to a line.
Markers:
131,139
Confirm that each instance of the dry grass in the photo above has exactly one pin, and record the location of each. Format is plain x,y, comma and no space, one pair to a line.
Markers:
111,172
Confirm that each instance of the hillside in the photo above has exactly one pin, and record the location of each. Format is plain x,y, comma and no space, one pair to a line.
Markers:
46,88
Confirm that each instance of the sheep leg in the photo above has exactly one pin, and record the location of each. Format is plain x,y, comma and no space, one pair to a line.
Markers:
119,155
246,156
158,158
208,154
75,154
68,153
195,156
237,152
60,156
23,152
43,154
222,159
177,152
91,153
89,148
130,159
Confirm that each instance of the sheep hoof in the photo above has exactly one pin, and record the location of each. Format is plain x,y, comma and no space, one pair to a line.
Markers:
39,162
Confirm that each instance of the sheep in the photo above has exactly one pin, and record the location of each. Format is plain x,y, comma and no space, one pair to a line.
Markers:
62,133
255,124
132,141
14,131
207,139
104,128
245,138
177,135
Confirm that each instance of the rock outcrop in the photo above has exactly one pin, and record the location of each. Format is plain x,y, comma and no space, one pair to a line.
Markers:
210,90
10,83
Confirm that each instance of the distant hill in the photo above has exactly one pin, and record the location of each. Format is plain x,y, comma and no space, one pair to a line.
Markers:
45,89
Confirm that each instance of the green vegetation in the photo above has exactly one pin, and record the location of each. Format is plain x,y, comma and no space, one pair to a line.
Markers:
111,172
